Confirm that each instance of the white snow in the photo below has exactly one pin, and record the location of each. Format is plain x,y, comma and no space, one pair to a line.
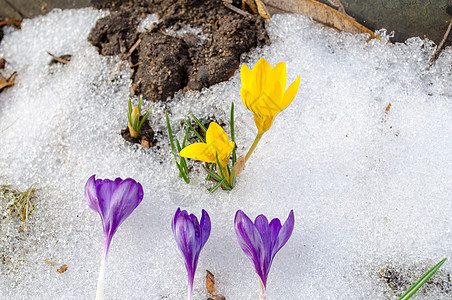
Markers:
370,190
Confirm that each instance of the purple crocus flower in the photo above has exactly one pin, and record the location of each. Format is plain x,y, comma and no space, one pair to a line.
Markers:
191,237
261,241
114,201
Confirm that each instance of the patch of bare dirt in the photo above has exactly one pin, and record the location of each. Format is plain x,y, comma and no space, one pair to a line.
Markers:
164,61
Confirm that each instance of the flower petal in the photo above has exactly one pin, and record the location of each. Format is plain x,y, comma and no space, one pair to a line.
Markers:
291,92
91,194
279,74
246,76
284,234
218,143
261,73
198,151
126,197
190,237
251,242
205,227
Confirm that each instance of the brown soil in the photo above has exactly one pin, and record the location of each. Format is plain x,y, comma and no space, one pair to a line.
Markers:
164,63
145,138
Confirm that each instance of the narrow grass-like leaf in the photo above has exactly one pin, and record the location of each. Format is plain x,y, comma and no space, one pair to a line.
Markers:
226,184
212,190
182,166
208,175
231,122
421,281
194,131
184,141
182,173
143,119
139,105
182,161
170,134
199,123
135,123
130,111
233,179
213,174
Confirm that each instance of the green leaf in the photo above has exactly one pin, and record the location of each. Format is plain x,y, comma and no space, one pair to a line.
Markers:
421,281
233,179
213,174
184,141
208,175
226,184
199,123
143,119
139,106
195,132
170,134
130,106
234,154
212,190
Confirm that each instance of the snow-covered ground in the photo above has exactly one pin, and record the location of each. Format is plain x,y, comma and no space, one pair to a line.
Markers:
370,190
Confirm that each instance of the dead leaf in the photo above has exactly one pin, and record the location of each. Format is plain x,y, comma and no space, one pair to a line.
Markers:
388,108
338,4
217,297
145,143
263,12
11,21
210,282
251,4
2,63
239,165
64,59
62,269
7,82
441,45
321,13
49,262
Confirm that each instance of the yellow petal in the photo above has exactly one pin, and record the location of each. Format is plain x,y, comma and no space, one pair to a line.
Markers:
279,74
269,103
198,151
261,73
263,123
291,92
215,132
247,98
218,143
246,76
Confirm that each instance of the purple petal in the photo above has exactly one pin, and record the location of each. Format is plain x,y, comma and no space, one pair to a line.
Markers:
125,198
114,201
185,236
251,243
205,227
173,223
91,194
284,234
190,237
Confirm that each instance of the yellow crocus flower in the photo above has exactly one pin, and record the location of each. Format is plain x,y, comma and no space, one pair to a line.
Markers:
135,113
263,91
217,143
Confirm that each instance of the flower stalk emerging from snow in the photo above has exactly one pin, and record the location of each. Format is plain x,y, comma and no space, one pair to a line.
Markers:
261,241
133,115
190,237
263,93
114,201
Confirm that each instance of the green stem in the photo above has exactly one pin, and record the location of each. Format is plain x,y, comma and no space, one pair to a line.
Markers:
253,146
